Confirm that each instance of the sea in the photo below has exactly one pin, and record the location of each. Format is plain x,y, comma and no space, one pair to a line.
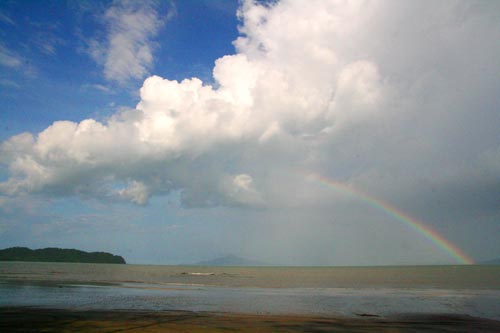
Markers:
324,291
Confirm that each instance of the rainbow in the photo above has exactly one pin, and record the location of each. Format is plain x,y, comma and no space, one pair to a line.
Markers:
409,221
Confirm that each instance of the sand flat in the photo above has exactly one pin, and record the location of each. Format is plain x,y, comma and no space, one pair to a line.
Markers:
19,319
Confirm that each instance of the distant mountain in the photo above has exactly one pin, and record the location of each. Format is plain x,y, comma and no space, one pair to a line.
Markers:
230,260
52,254
490,262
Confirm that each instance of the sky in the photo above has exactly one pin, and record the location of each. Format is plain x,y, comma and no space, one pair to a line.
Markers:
292,132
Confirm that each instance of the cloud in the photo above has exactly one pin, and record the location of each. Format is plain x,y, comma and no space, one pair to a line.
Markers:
9,59
6,19
136,192
240,189
15,62
47,42
9,84
99,87
127,50
340,88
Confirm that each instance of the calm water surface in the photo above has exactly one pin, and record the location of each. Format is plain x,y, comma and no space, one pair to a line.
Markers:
473,290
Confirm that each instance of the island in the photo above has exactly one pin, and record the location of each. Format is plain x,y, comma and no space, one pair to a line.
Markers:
52,254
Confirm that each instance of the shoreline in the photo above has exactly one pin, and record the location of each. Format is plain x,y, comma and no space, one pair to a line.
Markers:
32,319
308,302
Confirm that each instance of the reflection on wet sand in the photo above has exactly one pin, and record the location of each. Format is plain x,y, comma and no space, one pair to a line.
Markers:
48,320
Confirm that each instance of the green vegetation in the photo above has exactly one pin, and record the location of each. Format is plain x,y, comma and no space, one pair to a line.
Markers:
52,254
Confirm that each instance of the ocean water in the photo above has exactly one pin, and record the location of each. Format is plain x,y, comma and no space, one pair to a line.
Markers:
347,291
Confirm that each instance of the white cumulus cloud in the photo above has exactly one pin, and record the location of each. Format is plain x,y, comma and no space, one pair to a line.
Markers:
328,86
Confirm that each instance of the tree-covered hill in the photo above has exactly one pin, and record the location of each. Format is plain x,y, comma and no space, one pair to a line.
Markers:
52,254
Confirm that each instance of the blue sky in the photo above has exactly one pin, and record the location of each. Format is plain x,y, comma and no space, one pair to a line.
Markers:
48,43
178,131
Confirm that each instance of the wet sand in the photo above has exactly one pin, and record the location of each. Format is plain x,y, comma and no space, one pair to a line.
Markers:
19,319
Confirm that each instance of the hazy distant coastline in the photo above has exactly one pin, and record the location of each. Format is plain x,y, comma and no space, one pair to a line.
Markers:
52,254
490,262
230,260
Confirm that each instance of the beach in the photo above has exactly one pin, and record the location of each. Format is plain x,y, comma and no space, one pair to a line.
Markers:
20,319
51,297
